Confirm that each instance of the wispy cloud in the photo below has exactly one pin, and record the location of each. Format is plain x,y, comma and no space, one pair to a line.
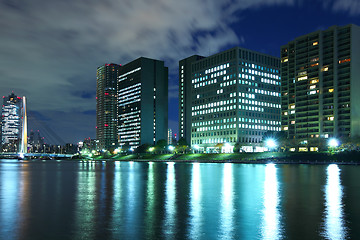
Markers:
351,6
49,49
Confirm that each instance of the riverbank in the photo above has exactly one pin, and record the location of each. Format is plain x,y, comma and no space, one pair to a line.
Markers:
265,157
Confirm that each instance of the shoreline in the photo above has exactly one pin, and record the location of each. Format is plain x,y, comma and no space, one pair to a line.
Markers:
341,158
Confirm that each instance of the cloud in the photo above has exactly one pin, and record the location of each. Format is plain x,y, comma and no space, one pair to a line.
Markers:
351,6
51,49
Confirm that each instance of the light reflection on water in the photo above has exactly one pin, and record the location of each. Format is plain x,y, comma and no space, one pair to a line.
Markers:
9,215
334,213
195,202
170,201
150,201
132,200
85,202
271,228
227,203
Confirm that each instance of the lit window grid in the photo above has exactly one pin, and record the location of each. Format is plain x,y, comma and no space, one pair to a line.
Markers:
252,108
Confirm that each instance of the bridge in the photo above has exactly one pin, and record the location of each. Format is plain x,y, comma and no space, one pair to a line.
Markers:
13,155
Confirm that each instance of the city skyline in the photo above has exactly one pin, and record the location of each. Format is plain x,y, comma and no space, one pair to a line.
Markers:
59,53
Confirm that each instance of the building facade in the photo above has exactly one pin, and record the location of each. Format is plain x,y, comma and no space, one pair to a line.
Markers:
320,77
106,105
185,88
235,99
11,130
142,102
169,137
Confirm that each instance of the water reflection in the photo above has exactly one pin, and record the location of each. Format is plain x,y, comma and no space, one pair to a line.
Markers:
227,203
170,200
271,228
85,202
117,200
9,199
195,202
150,201
334,214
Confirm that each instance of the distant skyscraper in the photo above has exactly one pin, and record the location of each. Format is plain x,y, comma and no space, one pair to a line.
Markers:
35,141
169,138
142,102
11,122
320,75
106,105
234,98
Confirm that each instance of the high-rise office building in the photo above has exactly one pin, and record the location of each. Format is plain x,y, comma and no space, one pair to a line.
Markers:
185,88
320,76
106,105
11,130
142,102
235,99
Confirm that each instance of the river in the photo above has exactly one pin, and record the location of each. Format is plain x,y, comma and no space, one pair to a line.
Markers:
140,200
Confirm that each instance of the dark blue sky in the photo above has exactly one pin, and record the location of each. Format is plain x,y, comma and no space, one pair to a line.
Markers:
50,49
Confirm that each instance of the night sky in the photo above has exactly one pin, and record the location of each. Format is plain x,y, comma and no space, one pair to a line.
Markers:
49,50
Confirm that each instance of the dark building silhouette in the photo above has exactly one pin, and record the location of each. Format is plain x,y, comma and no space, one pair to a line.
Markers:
106,105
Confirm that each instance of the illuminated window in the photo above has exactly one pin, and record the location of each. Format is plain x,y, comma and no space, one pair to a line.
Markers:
292,122
292,106
331,90
302,78
312,86
325,69
314,81
330,118
344,60
315,43
286,128
285,59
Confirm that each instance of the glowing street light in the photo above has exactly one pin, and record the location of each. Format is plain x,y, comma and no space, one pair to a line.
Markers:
171,148
270,143
196,147
151,149
333,142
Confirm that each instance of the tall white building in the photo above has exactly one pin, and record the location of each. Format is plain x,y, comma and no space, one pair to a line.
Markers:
12,126
235,99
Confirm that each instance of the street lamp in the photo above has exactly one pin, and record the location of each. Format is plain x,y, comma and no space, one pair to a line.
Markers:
270,143
171,148
333,142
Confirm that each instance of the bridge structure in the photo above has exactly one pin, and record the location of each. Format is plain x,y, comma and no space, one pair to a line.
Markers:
14,155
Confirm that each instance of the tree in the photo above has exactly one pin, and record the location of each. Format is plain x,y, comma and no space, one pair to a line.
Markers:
160,145
142,148
182,145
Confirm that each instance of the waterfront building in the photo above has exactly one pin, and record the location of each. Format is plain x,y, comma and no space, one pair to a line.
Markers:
106,105
234,99
185,88
13,127
142,102
169,137
320,81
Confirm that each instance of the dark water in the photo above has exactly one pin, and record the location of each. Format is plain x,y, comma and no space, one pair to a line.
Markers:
129,200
